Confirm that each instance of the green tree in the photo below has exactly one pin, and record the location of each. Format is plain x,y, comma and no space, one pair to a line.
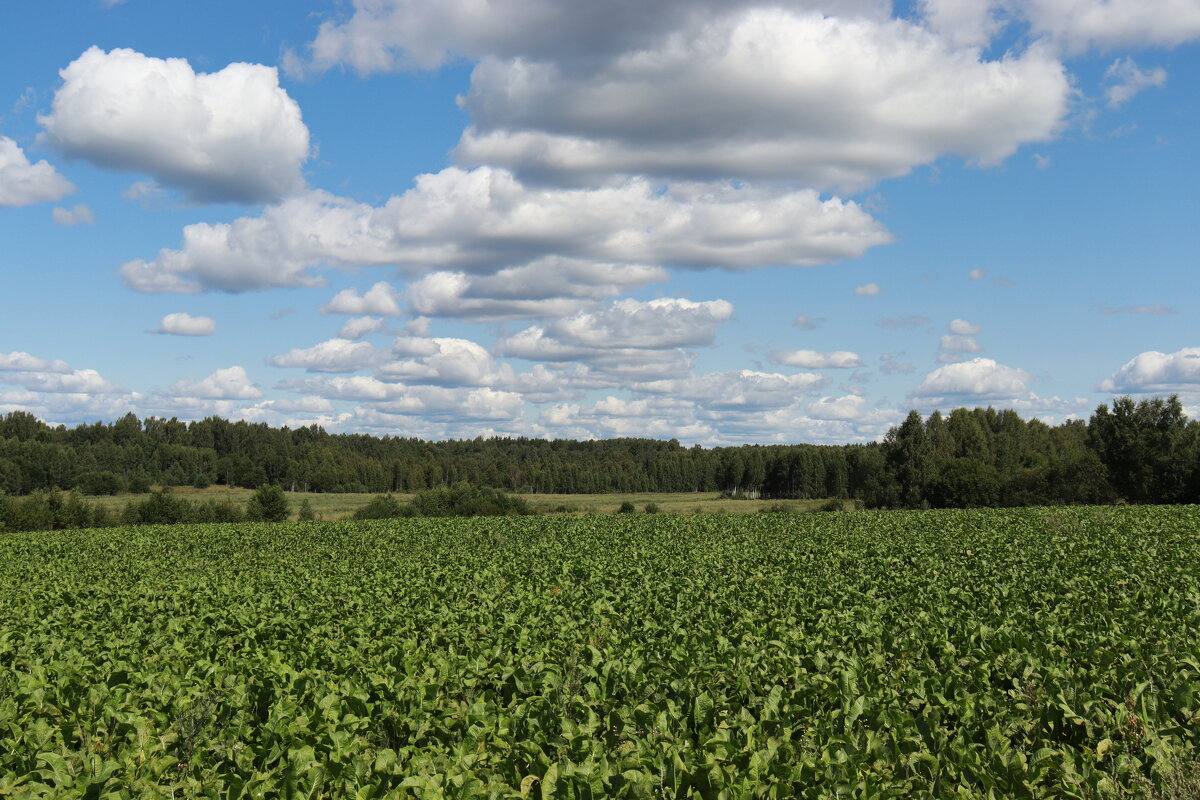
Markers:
268,504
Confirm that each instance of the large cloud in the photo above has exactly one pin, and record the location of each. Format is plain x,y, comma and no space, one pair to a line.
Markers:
981,378
1153,371
23,183
835,103
394,34
334,355
484,220
227,136
229,383
811,359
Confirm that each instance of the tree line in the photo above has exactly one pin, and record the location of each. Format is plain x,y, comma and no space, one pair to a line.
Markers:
1144,451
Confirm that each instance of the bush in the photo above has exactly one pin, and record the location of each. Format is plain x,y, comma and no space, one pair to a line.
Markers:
268,504
49,511
626,508
96,483
651,508
305,513
384,506
464,500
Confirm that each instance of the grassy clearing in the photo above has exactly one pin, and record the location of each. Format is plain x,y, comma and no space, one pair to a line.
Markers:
341,506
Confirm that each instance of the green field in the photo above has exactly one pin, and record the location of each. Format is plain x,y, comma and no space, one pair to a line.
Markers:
334,506
1048,653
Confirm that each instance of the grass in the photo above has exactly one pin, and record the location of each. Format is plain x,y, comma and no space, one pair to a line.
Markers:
330,506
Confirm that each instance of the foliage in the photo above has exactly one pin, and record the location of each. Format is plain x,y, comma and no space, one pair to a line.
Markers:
464,500
651,508
267,504
1036,653
626,508
305,513
384,506
1146,451
164,508
100,482
46,511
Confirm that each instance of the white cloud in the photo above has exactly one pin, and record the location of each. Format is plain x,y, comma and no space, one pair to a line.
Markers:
604,366
358,327
23,362
811,359
549,287
230,383
739,389
867,289
333,355
953,347
837,103
808,322
382,298
1153,371
484,220
1041,161
444,362
655,324
977,378
228,136
1124,80
70,217
977,274
23,183
962,22
963,328
184,324
1106,24
79,381
387,35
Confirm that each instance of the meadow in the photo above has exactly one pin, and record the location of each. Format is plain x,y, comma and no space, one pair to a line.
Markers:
1023,653
340,505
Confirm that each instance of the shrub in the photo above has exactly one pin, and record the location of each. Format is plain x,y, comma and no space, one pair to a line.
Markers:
626,508
383,506
268,504
651,508
464,500
96,483
305,513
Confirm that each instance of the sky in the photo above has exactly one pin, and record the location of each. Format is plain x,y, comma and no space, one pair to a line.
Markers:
720,221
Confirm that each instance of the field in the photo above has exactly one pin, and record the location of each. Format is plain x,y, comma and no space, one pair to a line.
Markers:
329,506
1035,653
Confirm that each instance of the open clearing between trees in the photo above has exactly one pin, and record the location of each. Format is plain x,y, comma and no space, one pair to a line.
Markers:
1026,653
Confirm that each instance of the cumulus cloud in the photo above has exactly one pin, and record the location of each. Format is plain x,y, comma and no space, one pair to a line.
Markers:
867,289
849,101
484,220
811,359
23,183
70,217
1105,24
1153,371
444,362
961,327
18,361
230,383
359,327
1124,80
78,381
334,355
228,136
654,324
737,389
184,324
386,35
382,298
977,274
548,287
980,378
602,366
953,347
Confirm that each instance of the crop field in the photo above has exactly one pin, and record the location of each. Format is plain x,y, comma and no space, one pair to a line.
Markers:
1034,653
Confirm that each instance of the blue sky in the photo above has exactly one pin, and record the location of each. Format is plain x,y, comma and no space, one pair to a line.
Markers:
722,222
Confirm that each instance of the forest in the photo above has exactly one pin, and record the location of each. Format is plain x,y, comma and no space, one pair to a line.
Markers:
1145,451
